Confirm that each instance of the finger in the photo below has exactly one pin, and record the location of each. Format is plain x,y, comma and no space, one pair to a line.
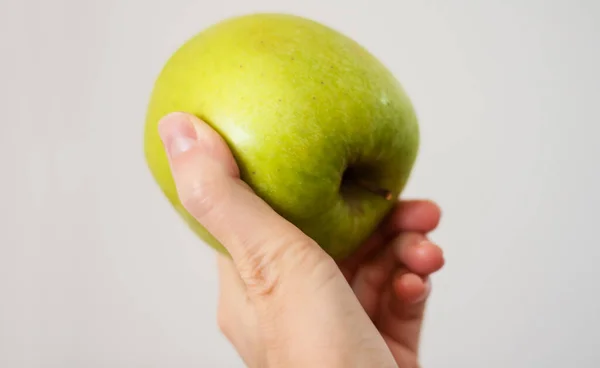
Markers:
372,277
409,290
371,280
350,265
418,254
262,244
403,315
411,215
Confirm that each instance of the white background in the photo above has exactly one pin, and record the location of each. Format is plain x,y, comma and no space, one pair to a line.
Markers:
96,270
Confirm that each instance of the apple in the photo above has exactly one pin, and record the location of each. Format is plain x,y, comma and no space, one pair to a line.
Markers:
320,128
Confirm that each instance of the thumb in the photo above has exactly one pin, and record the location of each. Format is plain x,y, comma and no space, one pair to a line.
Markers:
266,249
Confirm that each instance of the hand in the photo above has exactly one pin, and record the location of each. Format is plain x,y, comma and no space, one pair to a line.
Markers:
284,302
390,275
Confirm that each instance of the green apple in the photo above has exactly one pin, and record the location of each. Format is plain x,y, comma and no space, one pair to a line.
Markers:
321,129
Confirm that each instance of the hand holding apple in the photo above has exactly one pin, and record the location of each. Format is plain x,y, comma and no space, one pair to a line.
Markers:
284,302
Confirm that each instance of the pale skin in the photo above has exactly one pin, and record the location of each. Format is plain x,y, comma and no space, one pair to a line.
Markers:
283,301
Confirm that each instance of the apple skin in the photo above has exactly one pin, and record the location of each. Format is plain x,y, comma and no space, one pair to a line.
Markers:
314,121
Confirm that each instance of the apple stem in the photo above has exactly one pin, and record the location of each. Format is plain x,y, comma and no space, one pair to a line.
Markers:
384,193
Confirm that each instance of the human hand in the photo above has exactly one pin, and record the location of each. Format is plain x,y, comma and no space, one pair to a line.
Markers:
284,301
390,275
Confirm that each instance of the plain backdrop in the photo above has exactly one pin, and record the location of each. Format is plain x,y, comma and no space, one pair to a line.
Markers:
97,270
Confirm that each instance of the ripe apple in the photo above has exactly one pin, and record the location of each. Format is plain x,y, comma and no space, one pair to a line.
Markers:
320,129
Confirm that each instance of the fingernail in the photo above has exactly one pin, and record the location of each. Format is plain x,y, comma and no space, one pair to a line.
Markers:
177,133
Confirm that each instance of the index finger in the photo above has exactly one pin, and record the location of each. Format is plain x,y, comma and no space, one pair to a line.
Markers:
414,215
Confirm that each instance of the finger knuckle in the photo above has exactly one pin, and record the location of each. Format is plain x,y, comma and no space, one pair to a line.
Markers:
202,196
